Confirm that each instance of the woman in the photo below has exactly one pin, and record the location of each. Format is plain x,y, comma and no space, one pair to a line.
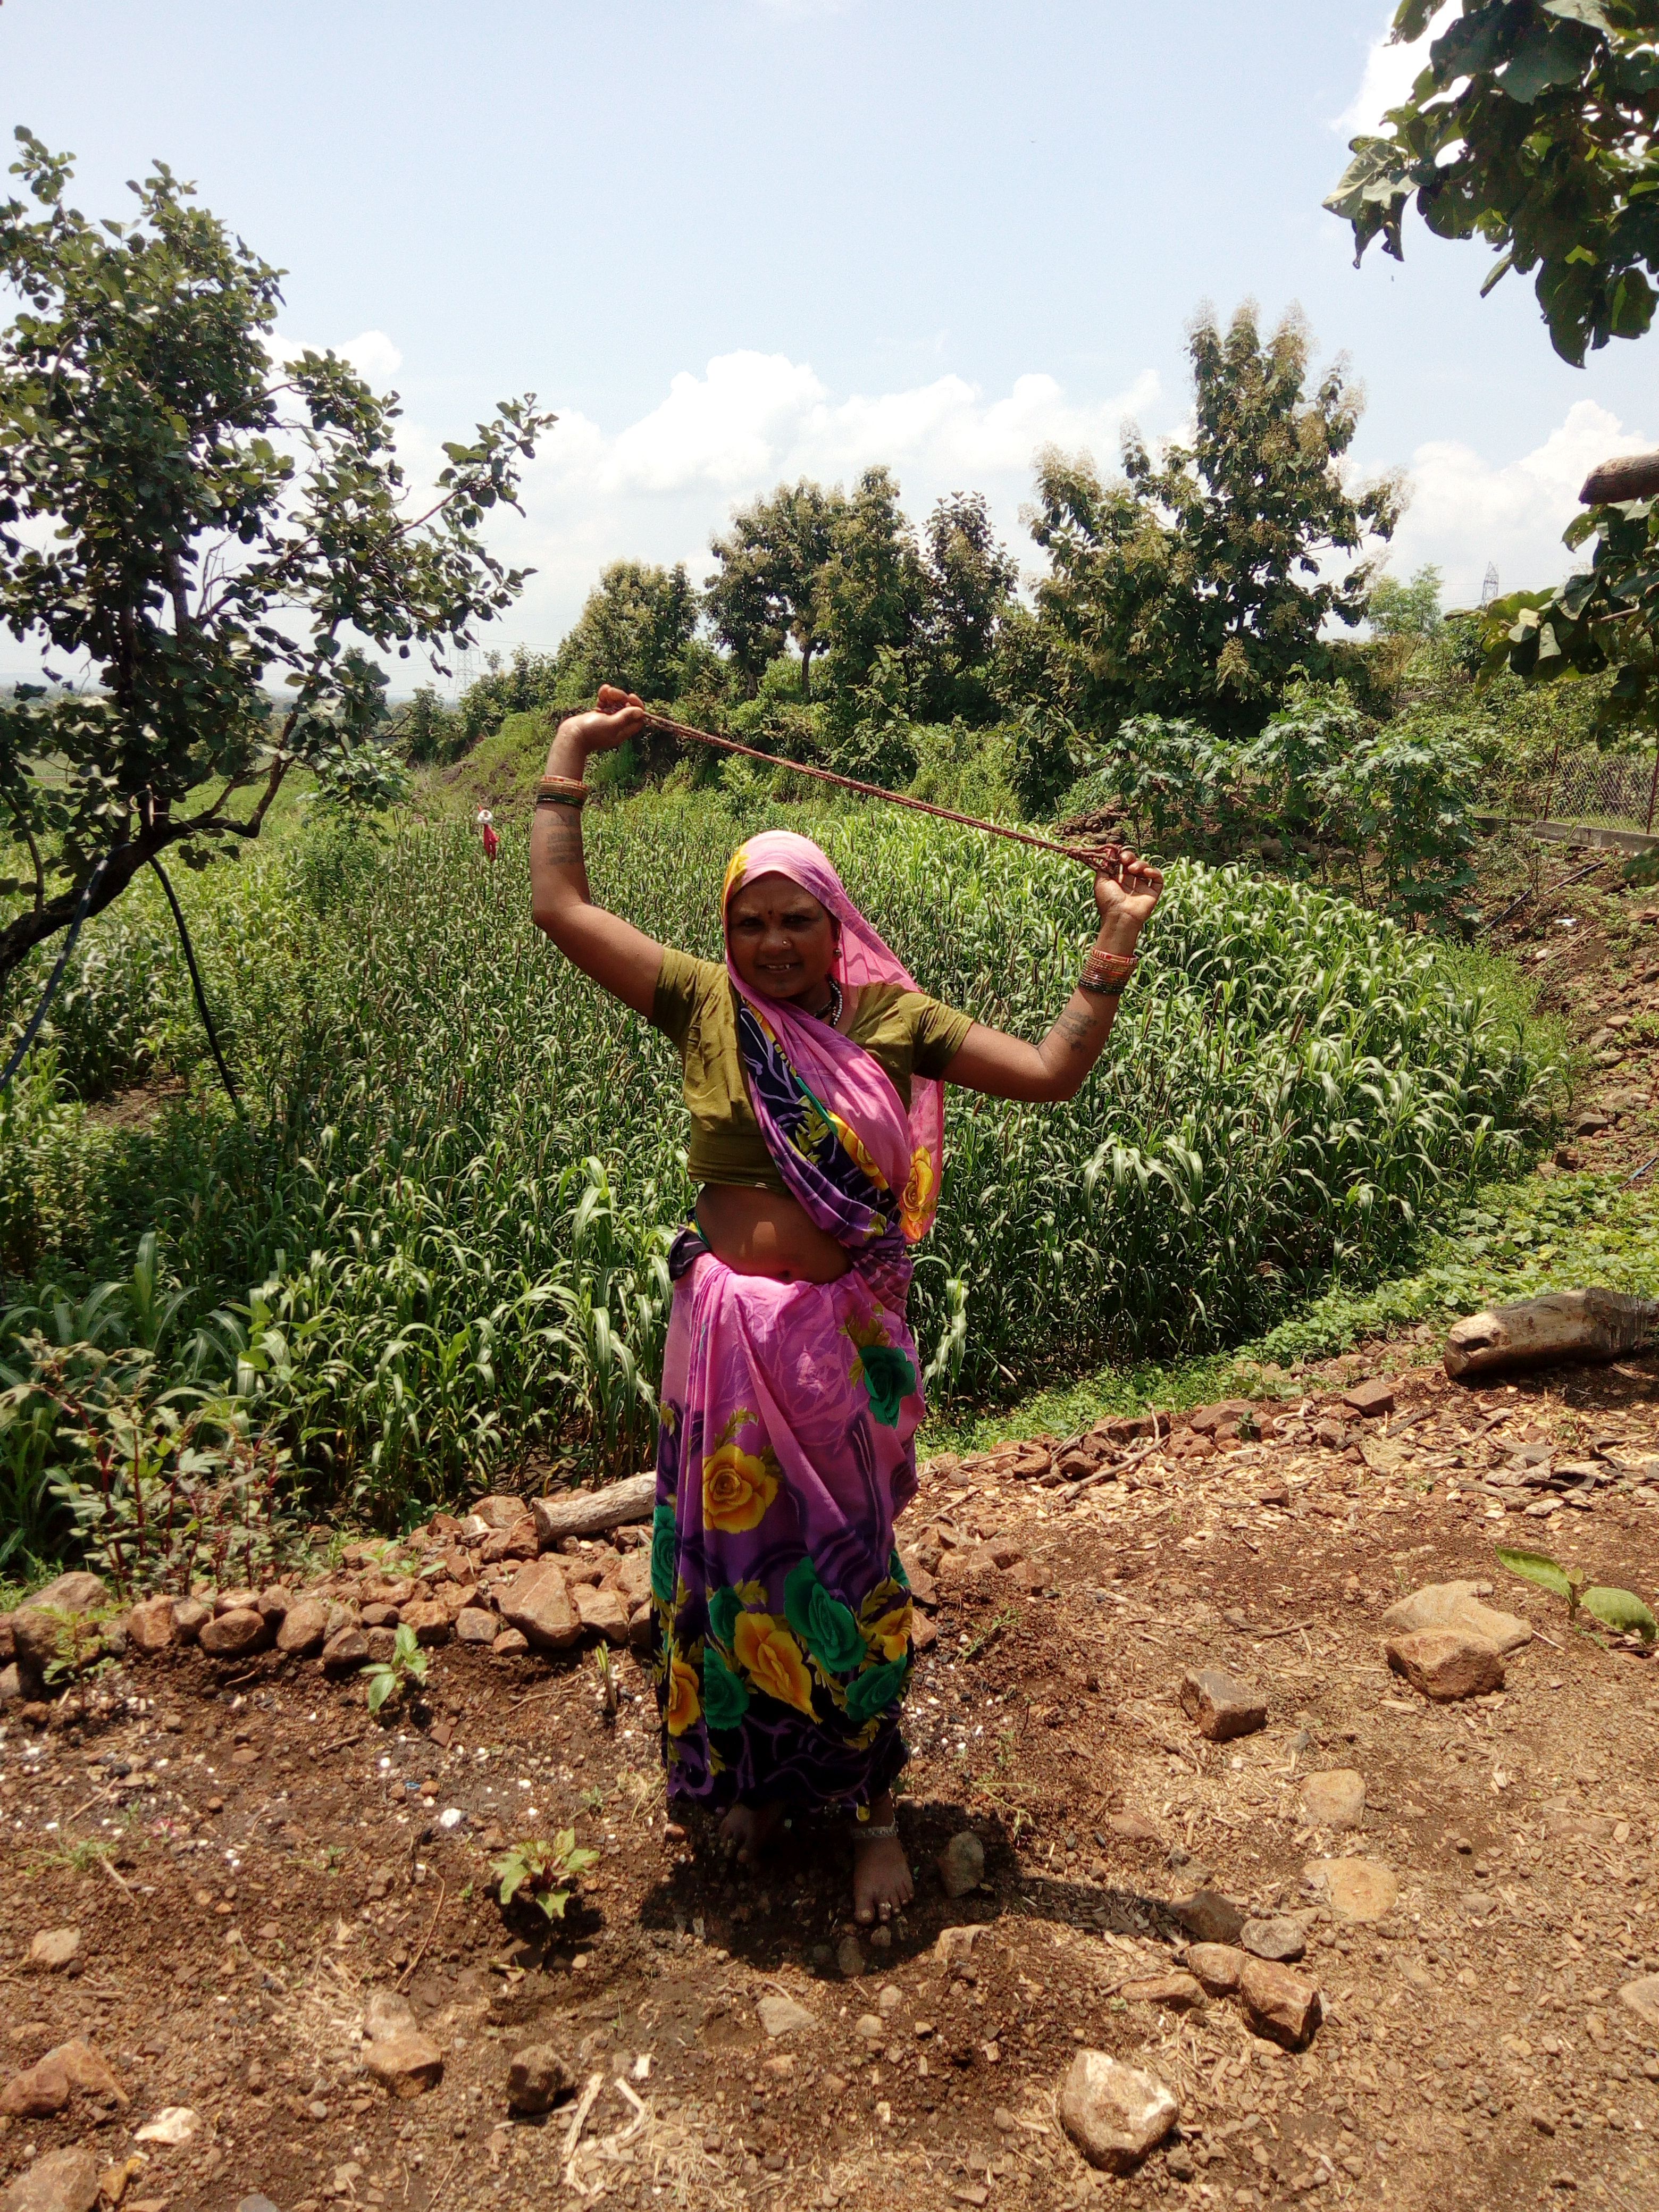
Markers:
791,1385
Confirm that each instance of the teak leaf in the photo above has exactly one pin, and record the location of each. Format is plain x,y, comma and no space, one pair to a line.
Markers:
1537,1567
1622,1611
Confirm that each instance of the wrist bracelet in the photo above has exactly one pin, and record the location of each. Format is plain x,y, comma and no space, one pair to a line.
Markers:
1111,970
577,799
1098,990
561,783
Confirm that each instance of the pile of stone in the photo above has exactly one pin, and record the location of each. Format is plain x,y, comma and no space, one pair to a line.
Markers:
510,1576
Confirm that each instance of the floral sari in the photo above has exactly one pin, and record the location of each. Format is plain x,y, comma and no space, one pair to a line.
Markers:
780,1652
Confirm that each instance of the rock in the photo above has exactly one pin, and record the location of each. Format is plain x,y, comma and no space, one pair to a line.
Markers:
538,2076
639,1626
511,1644
1135,1827
1281,1936
1222,1420
1281,2005
850,1957
407,2063
236,1634
1369,1400
255,2204
236,1601
594,1512
378,1616
474,1625
54,1947
429,1619
1222,1707
538,1602
75,1592
1115,2114
498,1510
173,2125
1335,1798
871,2029
88,2069
1207,1917
1445,1663
1356,1889
603,1613
304,1627
150,1625
275,1600
962,1863
39,2092
520,1542
1455,1604
189,1616
11,1686
1180,1992
955,1946
1215,1966
387,2012
381,1645
62,2181
345,1649
781,2015
1642,1996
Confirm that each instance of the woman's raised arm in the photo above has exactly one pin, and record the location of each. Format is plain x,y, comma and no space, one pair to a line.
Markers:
603,945
1007,1067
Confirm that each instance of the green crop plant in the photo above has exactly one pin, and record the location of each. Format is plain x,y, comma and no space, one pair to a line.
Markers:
438,1241
1621,1610
390,1678
543,1872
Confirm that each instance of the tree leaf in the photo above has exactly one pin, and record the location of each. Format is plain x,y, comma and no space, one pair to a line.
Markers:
1621,1610
1536,1567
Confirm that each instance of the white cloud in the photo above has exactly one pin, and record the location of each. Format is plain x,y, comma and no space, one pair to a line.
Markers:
371,353
1390,71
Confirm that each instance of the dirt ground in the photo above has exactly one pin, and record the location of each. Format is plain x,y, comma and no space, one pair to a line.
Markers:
247,1854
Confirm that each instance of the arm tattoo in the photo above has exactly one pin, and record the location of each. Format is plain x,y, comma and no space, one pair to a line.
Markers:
561,843
1077,1030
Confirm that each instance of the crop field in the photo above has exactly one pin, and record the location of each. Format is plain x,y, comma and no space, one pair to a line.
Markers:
434,1243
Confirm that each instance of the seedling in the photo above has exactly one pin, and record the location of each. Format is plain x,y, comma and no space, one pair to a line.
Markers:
545,1872
389,1678
1621,1610
610,1689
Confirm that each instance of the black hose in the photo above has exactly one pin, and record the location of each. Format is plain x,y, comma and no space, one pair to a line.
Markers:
196,985
57,974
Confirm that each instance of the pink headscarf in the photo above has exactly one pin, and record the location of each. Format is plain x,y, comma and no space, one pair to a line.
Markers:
909,1151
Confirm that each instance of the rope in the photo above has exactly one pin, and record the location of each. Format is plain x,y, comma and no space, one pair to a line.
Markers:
57,975
1099,860
196,986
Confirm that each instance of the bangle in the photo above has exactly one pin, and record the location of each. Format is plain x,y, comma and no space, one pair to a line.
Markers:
577,799
1106,973
1100,990
572,783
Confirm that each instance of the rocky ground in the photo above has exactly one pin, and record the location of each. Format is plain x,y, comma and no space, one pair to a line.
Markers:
219,1871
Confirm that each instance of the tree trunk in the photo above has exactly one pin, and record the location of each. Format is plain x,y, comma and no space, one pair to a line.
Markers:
806,652
594,1512
1566,1325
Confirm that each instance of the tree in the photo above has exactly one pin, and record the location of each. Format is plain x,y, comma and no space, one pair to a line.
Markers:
969,579
765,588
633,630
1206,581
1534,126
156,537
1411,610
515,686
872,590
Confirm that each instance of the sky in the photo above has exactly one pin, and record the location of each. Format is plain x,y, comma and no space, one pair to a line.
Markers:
731,242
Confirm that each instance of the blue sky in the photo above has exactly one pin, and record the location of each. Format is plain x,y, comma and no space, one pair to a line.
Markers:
735,239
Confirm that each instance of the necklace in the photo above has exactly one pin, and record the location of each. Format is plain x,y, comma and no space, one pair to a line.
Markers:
831,1014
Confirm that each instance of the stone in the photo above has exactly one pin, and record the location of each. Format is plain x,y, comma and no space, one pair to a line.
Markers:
429,1619
511,1644
149,1626
62,2181
1335,1798
1356,1889
236,1634
1642,1996
536,1602
74,1592
347,1648
189,1616
537,2077
275,1600
408,2065
954,1947
1180,1992
632,1580
54,1947
1115,2114
498,1510
38,2093
11,1686
1457,1606
1282,2006
173,2125
639,1626
1280,1936
1207,1917
387,2012
1370,1400
1222,1420
304,1627
378,1616
1221,1707
88,2069
380,1644
474,1625
781,2015
254,2204
236,1601
962,1863
1135,1827
1215,1966
1446,1663
850,1957
602,1613
871,2028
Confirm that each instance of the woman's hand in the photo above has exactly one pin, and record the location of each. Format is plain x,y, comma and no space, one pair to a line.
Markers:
619,715
1126,896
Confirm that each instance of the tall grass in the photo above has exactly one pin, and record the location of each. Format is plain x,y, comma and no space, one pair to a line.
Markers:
438,1239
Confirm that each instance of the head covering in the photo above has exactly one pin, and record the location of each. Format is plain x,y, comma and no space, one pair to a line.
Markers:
907,1150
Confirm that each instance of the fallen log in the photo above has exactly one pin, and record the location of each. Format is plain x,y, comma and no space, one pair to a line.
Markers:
1586,1325
594,1512
1632,476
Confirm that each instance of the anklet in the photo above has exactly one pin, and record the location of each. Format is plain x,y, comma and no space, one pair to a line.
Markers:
867,1835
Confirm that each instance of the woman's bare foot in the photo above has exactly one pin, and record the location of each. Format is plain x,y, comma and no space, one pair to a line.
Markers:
882,1883
748,1830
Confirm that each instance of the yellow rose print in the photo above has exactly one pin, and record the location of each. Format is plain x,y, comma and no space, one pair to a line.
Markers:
916,1207
684,1705
772,1659
738,1487
855,1144
891,1634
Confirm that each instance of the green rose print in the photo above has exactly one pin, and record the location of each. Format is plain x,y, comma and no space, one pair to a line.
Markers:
725,1699
662,1555
823,1623
889,1377
873,1691
724,1607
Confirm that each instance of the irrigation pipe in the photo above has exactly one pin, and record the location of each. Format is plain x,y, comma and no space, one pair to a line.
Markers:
1577,877
1101,859
196,986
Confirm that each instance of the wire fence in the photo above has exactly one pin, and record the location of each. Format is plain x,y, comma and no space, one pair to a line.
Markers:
1604,791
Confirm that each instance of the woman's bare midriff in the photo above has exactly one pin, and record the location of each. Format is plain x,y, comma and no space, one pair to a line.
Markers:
761,1232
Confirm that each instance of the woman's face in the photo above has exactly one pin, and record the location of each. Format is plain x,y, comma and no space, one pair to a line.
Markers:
782,941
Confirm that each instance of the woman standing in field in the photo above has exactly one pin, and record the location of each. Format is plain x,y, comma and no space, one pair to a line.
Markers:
813,1072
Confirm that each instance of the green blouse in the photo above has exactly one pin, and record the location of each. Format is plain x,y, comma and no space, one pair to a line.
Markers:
905,1031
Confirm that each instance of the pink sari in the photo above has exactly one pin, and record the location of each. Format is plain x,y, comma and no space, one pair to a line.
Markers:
782,1645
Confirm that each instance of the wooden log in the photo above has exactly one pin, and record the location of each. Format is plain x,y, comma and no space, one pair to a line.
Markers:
594,1512
1632,476
1566,1325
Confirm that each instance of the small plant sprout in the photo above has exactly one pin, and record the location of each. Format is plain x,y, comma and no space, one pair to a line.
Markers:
1621,1610
610,1689
543,1872
389,1678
